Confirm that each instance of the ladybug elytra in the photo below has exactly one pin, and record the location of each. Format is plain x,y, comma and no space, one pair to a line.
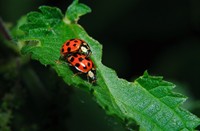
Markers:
75,46
83,64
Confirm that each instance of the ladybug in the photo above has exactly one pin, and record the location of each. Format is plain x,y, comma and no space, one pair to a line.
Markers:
83,64
75,46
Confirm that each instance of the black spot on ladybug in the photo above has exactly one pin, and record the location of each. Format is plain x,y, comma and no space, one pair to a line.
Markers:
72,59
85,67
75,55
67,44
87,58
77,64
68,49
74,45
88,64
80,59
62,50
75,41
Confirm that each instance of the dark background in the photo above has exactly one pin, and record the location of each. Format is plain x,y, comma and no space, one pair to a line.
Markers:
162,37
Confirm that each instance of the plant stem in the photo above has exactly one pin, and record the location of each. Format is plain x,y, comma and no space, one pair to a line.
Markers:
4,31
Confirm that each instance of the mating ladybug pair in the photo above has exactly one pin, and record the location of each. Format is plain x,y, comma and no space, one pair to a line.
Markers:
77,52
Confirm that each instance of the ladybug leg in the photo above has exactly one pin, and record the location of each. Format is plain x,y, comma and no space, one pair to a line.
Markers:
88,55
93,81
88,78
62,62
68,64
59,61
78,73
61,58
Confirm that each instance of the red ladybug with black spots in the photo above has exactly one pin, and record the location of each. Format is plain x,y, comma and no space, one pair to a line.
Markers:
75,46
83,64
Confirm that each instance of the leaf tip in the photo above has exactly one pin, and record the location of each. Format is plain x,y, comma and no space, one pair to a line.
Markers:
146,74
75,11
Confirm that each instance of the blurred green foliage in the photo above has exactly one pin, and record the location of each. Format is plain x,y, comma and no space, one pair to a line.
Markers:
163,38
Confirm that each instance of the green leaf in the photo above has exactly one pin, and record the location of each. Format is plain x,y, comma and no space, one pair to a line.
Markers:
148,101
75,10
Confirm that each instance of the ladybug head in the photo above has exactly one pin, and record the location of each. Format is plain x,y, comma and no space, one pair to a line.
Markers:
92,75
85,50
